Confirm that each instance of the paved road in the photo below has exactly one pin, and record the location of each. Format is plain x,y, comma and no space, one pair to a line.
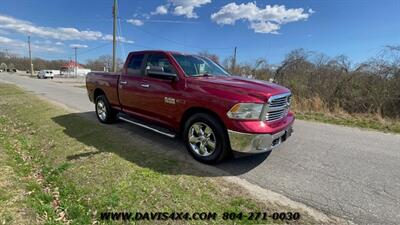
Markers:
343,171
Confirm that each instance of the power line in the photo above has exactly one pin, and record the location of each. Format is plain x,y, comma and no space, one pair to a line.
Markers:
121,43
94,48
89,50
178,43
143,46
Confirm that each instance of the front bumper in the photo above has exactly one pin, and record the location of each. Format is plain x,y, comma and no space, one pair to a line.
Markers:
257,143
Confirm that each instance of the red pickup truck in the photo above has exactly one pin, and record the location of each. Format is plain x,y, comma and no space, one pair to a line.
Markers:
191,96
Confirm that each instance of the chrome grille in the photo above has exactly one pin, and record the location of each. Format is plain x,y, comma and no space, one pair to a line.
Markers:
277,107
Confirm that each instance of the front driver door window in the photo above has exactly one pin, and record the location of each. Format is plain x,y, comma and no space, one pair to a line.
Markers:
160,60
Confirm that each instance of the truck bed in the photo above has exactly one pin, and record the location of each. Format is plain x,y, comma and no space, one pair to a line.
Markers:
108,82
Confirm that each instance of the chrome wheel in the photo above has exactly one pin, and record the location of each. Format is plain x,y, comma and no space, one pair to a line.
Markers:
202,139
101,110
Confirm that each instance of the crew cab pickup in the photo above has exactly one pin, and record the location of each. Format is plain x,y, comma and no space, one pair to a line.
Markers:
193,97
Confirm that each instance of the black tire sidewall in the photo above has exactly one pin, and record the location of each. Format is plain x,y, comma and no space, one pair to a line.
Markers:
109,111
220,135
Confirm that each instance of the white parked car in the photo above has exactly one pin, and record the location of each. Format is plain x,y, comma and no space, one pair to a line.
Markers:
44,74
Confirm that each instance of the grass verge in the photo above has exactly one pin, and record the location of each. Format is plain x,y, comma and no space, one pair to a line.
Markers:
361,121
71,169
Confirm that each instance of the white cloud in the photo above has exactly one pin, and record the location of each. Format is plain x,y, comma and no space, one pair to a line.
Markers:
146,15
78,46
160,10
22,45
262,20
265,27
47,42
135,22
4,40
59,33
46,48
109,37
186,7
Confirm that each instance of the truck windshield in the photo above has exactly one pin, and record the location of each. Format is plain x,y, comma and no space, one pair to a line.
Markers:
199,66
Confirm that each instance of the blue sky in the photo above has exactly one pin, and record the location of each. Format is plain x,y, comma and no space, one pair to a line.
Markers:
268,29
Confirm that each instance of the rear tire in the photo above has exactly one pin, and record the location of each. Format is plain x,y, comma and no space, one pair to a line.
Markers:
206,138
105,113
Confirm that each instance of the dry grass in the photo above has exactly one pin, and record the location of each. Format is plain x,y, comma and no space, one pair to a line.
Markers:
316,110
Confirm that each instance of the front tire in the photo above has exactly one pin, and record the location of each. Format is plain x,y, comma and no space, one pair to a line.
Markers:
105,113
206,138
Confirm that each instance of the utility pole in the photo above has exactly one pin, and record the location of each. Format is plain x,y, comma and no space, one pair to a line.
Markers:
76,62
30,55
234,60
69,62
114,65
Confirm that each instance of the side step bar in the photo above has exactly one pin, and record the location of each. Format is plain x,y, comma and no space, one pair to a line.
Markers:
137,123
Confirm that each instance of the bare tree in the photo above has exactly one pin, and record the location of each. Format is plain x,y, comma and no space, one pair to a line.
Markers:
103,62
209,55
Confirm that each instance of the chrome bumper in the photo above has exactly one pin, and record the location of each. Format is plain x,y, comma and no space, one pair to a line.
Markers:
257,143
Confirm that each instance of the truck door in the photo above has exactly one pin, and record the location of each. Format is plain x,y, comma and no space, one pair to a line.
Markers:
159,96
129,84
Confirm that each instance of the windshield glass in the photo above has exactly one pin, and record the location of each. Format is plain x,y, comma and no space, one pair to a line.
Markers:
199,66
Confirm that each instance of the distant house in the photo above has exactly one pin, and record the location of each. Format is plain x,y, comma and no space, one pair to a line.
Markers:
72,68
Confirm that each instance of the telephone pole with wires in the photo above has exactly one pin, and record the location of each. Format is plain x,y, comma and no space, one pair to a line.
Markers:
76,61
114,65
30,55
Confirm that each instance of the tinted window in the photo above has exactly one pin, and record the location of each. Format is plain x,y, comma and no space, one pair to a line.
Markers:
160,60
198,66
135,65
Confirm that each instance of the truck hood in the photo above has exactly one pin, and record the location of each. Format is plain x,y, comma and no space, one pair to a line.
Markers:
244,86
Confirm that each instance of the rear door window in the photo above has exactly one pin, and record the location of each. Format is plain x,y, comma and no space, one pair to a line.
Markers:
135,65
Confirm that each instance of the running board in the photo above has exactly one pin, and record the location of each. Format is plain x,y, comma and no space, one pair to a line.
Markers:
137,123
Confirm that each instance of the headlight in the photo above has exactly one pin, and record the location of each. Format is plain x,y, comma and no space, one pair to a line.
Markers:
245,111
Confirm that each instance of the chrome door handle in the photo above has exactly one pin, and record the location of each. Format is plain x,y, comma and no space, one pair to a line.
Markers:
145,85
123,82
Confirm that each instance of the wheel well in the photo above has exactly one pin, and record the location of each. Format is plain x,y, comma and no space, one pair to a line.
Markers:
194,110
97,93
